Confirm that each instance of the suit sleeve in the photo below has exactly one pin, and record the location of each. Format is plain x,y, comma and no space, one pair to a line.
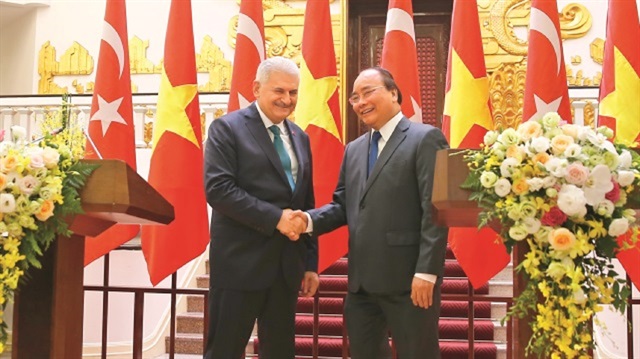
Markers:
311,240
332,215
433,238
223,193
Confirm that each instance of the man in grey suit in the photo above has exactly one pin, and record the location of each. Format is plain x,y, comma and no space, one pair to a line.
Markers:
396,252
258,168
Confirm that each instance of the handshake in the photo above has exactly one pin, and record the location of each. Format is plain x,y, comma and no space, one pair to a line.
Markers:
292,223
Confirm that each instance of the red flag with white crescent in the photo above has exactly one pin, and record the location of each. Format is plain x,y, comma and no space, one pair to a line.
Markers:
250,51
546,80
111,122
467,117
399,56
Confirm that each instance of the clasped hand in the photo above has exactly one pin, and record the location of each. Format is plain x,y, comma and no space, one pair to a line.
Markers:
292,223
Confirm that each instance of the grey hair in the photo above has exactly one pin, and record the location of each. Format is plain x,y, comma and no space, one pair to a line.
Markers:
276,64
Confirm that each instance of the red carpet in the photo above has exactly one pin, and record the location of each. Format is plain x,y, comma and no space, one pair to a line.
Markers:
453,318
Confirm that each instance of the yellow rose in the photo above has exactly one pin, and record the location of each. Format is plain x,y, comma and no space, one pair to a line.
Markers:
541,157
45,211
561,239
520,186
8,163
560,143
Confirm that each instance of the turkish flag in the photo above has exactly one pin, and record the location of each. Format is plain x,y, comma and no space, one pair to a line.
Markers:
111,123
318,114
467,117
399,56
618,105
176,168
250,51
546,80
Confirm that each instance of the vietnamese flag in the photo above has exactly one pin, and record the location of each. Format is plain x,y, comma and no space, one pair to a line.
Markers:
318,114
467,117
399,56
250,51
111,122
176,168
619,94
546,80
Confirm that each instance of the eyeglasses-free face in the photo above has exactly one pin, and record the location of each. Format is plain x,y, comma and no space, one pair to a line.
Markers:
355,98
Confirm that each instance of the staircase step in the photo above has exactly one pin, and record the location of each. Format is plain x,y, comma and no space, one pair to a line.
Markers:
191,323
195,303
327,305
332,347
202,281
187,343
461,286
448,328
340,267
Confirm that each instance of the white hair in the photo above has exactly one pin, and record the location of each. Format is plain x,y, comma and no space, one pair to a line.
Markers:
276,64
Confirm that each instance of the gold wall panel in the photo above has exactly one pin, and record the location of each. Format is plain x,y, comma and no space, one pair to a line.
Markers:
506,93
211,60
498,18
138,58
75,61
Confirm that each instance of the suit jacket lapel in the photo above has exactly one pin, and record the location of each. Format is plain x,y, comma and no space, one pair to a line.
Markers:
259,132
398,135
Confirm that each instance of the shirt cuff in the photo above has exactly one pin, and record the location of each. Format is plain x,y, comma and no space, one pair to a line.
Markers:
309,223
431,278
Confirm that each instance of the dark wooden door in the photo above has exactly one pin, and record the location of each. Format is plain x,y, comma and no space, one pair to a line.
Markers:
432,19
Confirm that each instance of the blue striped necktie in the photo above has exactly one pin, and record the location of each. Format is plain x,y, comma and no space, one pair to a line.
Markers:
282,153
373,151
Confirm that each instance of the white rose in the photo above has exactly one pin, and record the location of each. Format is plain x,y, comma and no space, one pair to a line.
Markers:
490,138
605,208
502,187
548,182
509,137
534,183
7,203
618,226
18,133
557,167
625,178
531,224
518,233
551,120
488,179
28,184
540,144
571,201
50,157
508,166
573,150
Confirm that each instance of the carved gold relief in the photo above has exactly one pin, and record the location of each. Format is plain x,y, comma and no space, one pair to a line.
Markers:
596,50
580,80
218,113
138,57
75,61
211,60
148,133
576,60
506,86
499,18
589,113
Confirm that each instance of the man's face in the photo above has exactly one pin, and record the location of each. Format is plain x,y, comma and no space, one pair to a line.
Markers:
277,97
371,101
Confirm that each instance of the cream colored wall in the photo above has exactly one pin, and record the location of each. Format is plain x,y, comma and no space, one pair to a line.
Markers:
17,53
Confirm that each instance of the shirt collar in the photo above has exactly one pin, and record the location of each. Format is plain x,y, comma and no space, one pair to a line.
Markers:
387,129
268,123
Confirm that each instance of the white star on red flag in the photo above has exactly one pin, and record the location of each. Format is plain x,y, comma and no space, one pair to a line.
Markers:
108,113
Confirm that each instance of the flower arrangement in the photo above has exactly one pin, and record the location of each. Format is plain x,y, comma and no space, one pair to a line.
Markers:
39,184
564,190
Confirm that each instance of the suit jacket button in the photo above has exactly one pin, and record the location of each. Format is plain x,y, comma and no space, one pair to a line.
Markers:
361,205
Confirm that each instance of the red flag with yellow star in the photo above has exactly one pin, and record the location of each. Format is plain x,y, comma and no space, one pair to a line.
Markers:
249,53
546,80
318,114
111,123
620,86
466,119
399,56
619,94
176,168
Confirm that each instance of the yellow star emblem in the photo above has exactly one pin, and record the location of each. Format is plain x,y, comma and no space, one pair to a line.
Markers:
172,115
466,102
622,103
313,101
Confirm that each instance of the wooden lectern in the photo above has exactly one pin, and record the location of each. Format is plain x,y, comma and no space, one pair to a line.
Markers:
452,208
48,311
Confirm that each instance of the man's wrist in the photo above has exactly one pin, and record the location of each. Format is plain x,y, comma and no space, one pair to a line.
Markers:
431,278
309,223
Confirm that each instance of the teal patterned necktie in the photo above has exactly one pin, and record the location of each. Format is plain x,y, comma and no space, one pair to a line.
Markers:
282,153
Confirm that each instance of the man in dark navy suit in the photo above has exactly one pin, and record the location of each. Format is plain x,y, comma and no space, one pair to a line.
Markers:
257,169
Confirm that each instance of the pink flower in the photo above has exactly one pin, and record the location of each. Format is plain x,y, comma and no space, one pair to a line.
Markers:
2,135
554,217
614,194
576,174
